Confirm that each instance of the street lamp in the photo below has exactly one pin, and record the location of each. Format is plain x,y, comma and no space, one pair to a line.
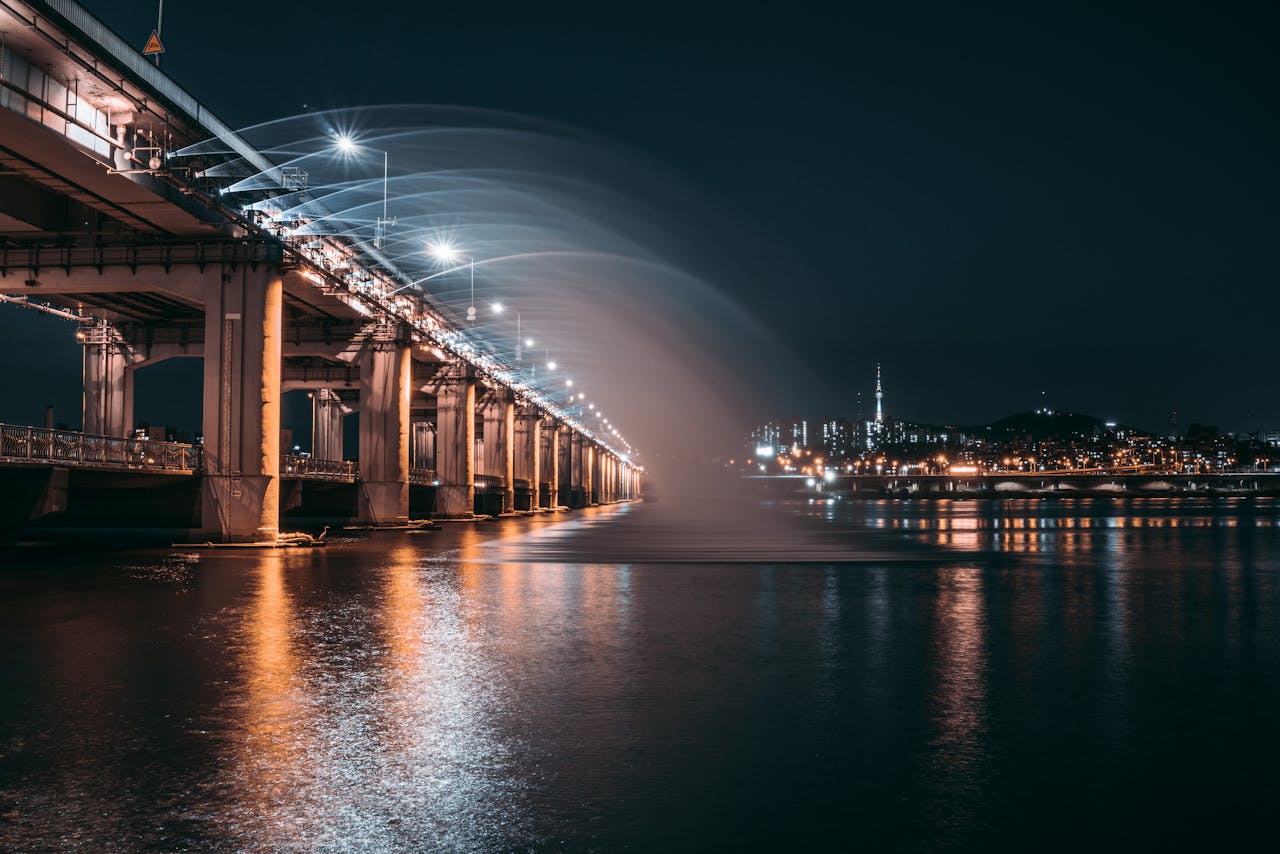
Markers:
348,146
447,253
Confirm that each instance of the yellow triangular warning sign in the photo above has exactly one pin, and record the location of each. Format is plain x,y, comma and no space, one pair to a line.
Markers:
153,45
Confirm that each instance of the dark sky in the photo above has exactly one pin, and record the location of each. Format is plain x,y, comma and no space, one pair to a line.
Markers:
992,203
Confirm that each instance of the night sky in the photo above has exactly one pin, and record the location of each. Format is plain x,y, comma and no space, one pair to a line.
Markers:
993,204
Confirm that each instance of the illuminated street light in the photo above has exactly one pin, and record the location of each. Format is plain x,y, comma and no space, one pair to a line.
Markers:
447,253
444,252
348,146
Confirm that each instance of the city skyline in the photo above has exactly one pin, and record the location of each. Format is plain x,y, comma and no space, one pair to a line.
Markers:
1174,421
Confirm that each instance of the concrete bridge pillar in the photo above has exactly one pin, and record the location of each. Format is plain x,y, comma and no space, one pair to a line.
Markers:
108,382
456,441
564,454
240,498
602,475
424,445
327,429
385,374
499,432
528,441
549,465
576,473
590,458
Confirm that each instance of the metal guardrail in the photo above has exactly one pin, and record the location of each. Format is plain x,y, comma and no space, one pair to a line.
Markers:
167,255
310,468
422,477
64,447
487,481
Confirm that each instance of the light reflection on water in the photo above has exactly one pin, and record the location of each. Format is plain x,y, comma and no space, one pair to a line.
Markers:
925,675
356,714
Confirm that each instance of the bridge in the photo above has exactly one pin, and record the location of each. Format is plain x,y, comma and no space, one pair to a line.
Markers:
1122,481
105,223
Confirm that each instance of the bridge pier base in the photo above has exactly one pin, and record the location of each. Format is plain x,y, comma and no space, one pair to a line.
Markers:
385,374
456,442
240,490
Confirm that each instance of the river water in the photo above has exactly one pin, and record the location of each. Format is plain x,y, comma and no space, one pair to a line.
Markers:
672,675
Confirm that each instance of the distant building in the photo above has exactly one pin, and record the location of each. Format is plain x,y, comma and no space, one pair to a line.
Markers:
796,434
837,438
765,441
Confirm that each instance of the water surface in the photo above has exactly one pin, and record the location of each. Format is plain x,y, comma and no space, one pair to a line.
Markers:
683,674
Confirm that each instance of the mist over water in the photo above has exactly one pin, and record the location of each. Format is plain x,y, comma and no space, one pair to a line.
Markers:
613,264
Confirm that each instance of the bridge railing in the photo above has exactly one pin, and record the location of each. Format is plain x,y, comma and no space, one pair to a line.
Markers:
65,447
310,468
422,477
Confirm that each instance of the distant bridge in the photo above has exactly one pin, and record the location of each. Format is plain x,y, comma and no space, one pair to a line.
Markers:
98,226
1014,484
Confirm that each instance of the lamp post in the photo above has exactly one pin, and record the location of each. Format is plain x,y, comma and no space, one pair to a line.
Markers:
349,146
450,254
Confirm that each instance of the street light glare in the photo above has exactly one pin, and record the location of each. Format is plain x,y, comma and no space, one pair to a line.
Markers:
528,342
497,307
345,144
551,366
445,252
